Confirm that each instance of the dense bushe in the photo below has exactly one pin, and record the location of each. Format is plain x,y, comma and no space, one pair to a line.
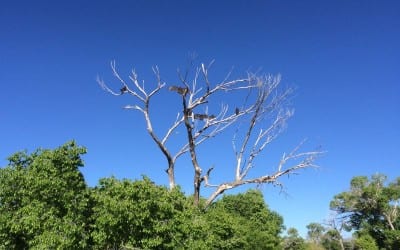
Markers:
46,204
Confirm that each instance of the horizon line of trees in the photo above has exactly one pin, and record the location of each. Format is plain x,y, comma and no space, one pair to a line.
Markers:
369,209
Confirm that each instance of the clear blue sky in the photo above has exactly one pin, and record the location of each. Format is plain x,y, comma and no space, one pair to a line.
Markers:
343,57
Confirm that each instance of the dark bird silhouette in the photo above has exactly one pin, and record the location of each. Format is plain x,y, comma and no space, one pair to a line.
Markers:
123,90
179,90
200,116
203,117
237,111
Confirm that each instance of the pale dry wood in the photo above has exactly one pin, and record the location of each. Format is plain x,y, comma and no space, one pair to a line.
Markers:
201,126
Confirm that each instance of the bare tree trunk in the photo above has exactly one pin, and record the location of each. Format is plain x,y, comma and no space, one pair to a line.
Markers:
171,175
171,164
192,149
341,243
389,220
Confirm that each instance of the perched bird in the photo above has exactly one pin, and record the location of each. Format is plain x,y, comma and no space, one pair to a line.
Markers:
200,116
203,117
179,90
237,111
123,90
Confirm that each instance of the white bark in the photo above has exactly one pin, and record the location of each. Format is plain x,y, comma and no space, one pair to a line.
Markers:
200,127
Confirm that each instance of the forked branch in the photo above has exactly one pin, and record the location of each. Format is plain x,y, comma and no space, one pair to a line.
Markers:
201,118
269,102
143,99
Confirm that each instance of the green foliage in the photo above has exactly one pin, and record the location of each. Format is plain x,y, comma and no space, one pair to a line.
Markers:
45,204
293,241
392,239
372,208
142,215
331,240
241,221
44,200
219,229
365,242
253,224
315,232
135,213
314,246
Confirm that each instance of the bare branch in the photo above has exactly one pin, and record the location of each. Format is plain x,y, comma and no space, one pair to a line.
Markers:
179,120
206,177
263,113
105,87
217,125
268,102
134,107
113,67
273,178
138,91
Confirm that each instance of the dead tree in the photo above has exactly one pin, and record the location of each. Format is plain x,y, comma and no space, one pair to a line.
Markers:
196,95
212,126
143,97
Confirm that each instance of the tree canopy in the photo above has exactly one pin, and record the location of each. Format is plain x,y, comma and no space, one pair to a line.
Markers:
45,203
44,200
371,207
293,241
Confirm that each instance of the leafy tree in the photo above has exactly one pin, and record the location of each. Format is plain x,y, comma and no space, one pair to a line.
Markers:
392,239
241,221
135,214
325,237
315,232
139,214
200,118
365,242
257,225
371,207
293,241
224,229
332,240
333,237
44,202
